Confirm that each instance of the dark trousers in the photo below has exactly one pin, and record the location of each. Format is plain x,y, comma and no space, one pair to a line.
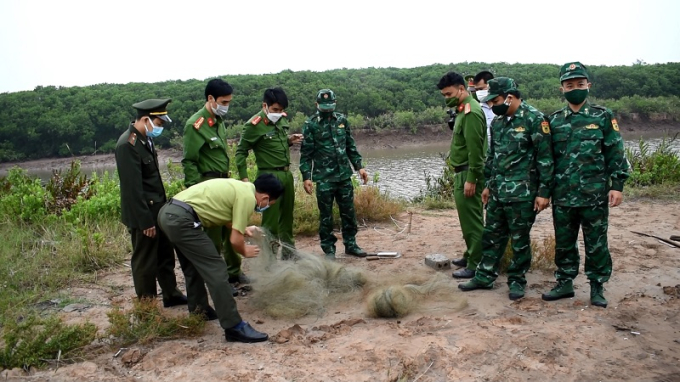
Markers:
201,263
153,259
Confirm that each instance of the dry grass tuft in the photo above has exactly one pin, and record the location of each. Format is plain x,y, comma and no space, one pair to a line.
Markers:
145,323
542,255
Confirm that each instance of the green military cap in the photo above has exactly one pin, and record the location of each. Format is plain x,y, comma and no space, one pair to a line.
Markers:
573,70
498,86
325,96
326,100
469,79
153,107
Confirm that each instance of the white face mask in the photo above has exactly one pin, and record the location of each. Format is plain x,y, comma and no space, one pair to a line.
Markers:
481,94
221,111
274,117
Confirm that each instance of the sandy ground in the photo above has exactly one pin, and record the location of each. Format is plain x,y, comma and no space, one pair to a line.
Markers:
637,338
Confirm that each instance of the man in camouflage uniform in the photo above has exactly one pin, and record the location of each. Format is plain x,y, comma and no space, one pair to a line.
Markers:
266,133
141,197
468,146
329,148
519,176
590,170
205,157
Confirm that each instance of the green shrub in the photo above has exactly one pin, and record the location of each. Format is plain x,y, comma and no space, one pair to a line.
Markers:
654,167
23,197
33,340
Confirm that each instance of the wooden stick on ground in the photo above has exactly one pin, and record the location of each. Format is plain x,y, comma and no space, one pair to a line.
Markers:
672,244
675,238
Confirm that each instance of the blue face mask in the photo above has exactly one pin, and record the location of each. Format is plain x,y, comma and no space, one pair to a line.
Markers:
156,132
261,209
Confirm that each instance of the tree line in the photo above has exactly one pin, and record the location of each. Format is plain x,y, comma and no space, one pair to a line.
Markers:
54,121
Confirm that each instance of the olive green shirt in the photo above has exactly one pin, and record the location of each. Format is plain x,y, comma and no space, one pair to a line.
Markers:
269,142
219,201
205,147
468,143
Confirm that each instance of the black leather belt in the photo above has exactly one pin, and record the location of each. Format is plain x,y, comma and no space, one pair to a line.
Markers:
284,168
462,168
186,207
216,174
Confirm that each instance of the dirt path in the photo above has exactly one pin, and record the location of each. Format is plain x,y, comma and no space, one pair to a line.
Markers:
636,338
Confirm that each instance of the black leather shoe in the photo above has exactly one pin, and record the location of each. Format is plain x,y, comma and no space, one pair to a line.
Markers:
462,262
245,334
174,301
356,251
464,274
208,313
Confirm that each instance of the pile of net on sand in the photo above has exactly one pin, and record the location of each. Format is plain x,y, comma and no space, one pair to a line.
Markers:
404,294
292,289
309,284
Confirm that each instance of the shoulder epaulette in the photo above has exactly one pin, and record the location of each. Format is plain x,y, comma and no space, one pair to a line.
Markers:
132,139
557,111
600,107
198,123
256,120
467,108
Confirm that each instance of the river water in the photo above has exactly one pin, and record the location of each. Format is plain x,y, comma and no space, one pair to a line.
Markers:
401,171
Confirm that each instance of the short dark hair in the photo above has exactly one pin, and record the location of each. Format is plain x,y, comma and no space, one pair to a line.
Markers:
483,75
275,95
270,185
451,79
217,88
514,93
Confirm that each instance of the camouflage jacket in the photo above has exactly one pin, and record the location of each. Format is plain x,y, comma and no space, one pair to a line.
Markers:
519,164
329,148
589,157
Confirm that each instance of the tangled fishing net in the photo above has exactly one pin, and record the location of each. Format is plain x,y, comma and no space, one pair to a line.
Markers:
309,284
405,294
292,289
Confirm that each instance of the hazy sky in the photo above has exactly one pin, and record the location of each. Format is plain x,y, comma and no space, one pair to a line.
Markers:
68,42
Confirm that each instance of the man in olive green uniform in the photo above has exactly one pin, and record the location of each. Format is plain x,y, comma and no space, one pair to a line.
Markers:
519,176
329,148
141,196
590,170
468,146
266,133
205,157
215,203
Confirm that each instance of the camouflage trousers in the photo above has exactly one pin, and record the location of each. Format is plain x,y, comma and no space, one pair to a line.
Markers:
594,222
343,193
506,221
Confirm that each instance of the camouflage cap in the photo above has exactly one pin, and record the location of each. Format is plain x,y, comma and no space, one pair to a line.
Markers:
325,96
573,70
153,107
499,86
